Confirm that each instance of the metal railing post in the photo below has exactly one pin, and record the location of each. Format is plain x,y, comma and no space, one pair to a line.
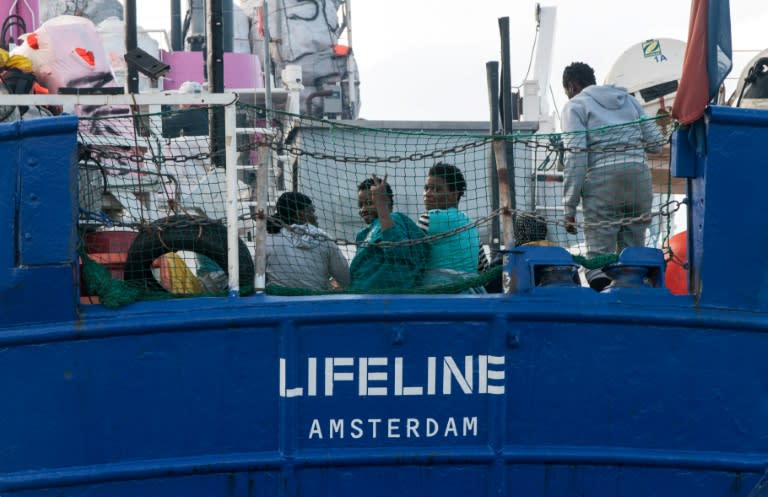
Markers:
233,197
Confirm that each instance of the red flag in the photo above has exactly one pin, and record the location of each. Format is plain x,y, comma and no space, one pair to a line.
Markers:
708,59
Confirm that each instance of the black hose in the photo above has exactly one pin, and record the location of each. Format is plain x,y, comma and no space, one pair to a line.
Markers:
758,69
8,23
310,18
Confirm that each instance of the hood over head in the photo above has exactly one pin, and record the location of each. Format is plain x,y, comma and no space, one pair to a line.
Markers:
608,96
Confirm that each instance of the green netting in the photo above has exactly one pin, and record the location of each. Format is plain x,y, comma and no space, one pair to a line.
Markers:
153,202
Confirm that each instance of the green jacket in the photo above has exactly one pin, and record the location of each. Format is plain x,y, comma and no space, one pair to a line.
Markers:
376,267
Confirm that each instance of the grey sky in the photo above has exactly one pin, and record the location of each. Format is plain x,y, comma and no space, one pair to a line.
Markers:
425,59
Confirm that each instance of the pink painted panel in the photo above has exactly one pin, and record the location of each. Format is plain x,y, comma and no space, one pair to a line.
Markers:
242,70
185,66
27,10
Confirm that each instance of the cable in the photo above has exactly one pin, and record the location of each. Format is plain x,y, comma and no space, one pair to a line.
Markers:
310,18
554,103
31,12
11,21
530,59
758,69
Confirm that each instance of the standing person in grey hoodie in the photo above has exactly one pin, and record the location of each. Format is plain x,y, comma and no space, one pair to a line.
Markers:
605,162
299,255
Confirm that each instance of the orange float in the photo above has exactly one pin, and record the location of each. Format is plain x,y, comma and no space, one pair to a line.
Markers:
676,275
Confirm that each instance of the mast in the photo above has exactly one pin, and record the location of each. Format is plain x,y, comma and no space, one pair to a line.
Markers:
351,66
215,64
177,44
507,99
228,26
492,77
260,238
131,43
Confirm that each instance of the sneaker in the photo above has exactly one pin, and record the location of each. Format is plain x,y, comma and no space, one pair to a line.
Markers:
597,279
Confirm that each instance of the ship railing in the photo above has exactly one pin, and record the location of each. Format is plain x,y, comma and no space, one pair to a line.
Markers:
149,104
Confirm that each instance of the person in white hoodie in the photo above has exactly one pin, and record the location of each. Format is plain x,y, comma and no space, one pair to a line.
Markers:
605,162
298,253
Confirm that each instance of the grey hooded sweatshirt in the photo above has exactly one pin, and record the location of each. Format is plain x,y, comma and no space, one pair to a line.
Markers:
304,257
597,135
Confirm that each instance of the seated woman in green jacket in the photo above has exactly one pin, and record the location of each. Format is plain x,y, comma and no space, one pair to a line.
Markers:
385,266
454,254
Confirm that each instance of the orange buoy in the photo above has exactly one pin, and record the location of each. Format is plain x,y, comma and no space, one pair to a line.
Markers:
676,276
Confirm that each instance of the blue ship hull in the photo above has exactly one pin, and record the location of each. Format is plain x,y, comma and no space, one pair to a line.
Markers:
545,392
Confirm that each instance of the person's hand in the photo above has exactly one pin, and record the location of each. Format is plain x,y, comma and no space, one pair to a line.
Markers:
381,201
379,193
570,224
379,189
